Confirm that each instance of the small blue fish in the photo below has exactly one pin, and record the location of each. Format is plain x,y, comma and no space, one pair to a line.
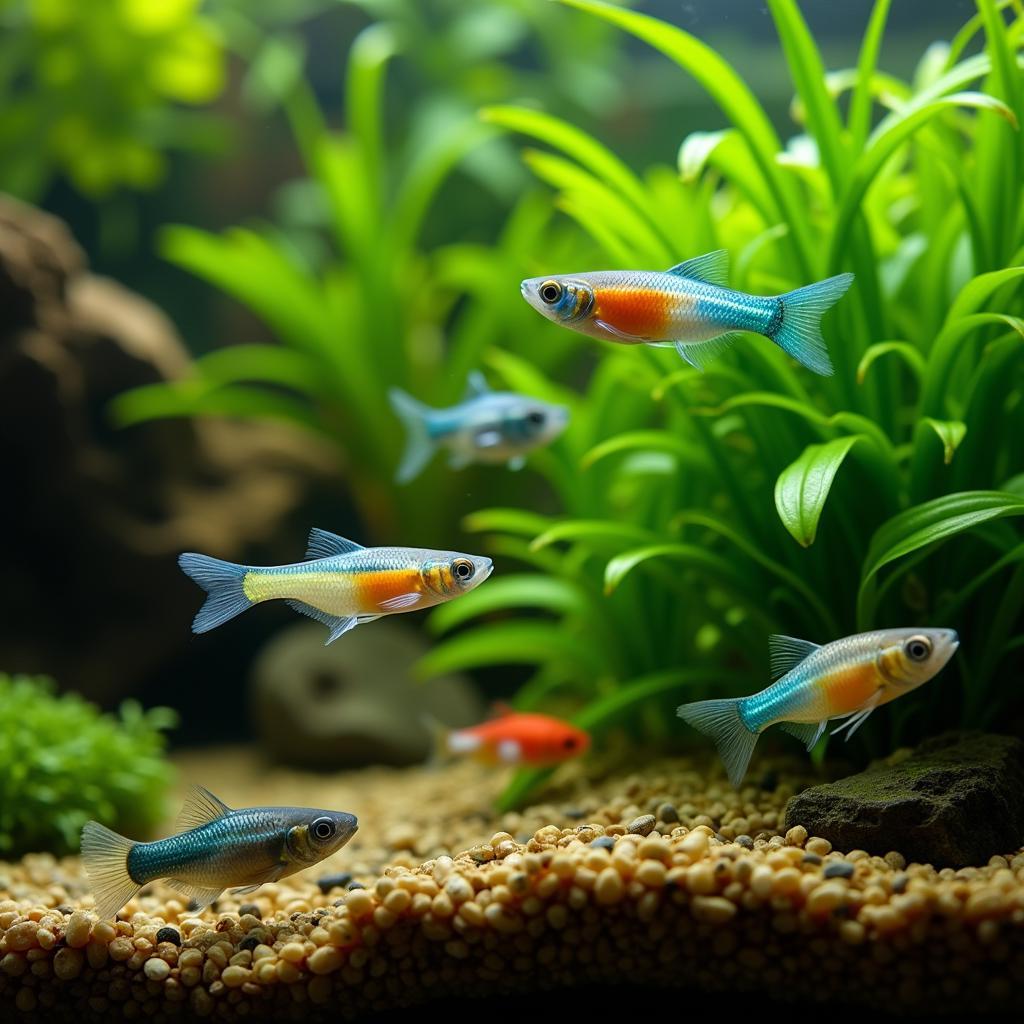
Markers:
689,308
216,848
486,426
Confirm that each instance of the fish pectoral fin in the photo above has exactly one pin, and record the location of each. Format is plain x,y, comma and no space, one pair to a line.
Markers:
700,353
808,733
487,438
246,890
324,544
360,619
476,385
203,895
337,624
399,601
200,808
712,267
786,652
616,333
859,717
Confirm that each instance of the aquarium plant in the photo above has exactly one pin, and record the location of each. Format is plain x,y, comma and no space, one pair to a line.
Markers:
703,511
63,762
357,293
99,92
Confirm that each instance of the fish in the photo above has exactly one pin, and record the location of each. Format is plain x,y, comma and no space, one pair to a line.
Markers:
515,738
215,848
486,426
845,679
688,307
341,583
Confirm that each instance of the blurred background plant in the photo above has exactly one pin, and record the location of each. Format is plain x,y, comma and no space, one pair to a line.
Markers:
62,762
703,511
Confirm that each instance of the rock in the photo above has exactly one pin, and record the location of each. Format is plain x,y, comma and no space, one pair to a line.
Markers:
97,515
955,801
354,702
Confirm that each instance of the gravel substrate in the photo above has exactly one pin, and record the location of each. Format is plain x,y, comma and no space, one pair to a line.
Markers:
661,878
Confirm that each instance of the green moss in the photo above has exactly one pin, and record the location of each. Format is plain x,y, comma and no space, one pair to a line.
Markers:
62,762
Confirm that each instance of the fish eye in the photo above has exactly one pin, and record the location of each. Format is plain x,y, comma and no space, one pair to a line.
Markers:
462,569
536,418
918,648
569,742
322,829
550,292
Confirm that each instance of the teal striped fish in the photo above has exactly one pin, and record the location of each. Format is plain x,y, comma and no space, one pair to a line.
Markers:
689,308
216,848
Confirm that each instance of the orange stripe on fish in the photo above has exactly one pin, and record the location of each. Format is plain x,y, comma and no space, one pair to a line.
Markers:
638,312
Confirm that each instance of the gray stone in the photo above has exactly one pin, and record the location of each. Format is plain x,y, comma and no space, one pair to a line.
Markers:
954,801
354,702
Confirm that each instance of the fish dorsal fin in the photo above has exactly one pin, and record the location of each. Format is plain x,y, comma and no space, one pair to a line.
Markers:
712,267
476,385
786,652
201,807
324,544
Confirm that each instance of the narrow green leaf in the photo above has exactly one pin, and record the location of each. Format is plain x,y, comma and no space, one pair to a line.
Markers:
702,559
859,121
910,355
506,520
599,531
950,433
803,486
685,451
927,524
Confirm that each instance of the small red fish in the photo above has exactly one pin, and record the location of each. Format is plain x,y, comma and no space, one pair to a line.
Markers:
519,738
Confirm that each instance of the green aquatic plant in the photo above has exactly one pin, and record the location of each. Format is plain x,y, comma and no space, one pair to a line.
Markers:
703,511
63,762
367,304
98,92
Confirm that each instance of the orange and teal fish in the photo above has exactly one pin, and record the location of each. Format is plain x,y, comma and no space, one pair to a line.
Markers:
845,679
341,583
517,737
689,308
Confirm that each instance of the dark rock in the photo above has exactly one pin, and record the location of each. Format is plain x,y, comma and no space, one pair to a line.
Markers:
838,869
642,826
810,858
96,514
603,842
329,882
745,841
356,885
250,942
251,909
955,801
667,813
171,935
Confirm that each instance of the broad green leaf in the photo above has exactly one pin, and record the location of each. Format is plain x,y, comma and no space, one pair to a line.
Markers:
950,433
803,486
927,524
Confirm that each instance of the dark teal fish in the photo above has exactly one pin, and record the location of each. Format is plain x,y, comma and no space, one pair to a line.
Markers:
217,849
689,308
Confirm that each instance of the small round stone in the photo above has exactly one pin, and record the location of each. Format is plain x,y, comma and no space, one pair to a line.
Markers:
838,869
157,969
667,813
641,826
340,880
167,934
603,842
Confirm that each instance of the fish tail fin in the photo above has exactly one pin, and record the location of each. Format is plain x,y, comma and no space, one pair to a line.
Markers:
798,329
720,719
419,448
223,582
105,858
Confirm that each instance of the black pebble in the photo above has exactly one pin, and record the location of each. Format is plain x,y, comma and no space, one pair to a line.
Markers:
603,842
838,869
249,942
251,909
329,882
169,935
668,813
356,885
745,841
811,858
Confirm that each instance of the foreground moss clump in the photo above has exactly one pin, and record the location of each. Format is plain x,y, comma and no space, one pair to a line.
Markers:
63,762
